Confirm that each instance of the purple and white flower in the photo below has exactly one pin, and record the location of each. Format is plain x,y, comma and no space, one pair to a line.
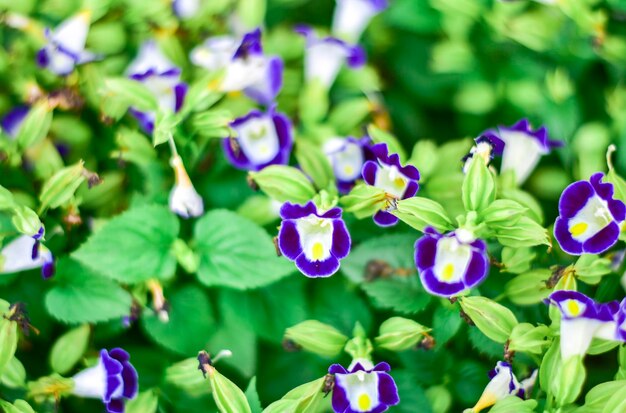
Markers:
386,172
186,9
589,217
12,121
503,384
65,47
521,148
483,148
326,55
450,263
26,253
346,156
262,139
352,17
620,321
363,388
314,240
582,319
113,379
246,68
184,199
152,68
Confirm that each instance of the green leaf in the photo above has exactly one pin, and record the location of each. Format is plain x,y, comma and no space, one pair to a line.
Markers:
364,200
412,397
235,252
145,402
446,323
524,233
190,322
314,163
81,296
390,254
420,213
403,295
131,92
134,246
493,319
303,399
528,288
228,397
598,397
284,183
69,348
14,374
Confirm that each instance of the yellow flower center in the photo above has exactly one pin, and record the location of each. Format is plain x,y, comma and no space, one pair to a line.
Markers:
348,169
318,251
399,182
573,308
578,229
448,272
365,402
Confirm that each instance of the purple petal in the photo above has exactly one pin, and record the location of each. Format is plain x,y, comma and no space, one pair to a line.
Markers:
11,123
295,211
115,406
250,45
356,57
425,252
284,131
43,59
603,240
337,369
617,209
289,240
236,157
387,390
565,239
340,400
180,90
318,268
333,213
145,119
477,269
48,269
411,189
370,168
436,287
341,240
574,198
385,219
382,366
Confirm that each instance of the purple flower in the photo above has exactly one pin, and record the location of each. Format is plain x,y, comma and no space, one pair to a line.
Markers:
161,77
621,321
246,67
582,319
352,17
589,217
450,263
520,147
314,241
325,56
261,139
113,380
386,172
12,121
346,157
65,46
483,148
363,388
503,384
27,253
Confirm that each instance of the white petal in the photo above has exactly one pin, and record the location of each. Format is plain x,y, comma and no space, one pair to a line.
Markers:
60,63
150,57
72,33
17,256
323,61
243,73
215,53
91,382
361,390
576,336
521,154
451,260
316,237
351,18
391,180
258,139
590,220
345,157
186,8
185,201
498,388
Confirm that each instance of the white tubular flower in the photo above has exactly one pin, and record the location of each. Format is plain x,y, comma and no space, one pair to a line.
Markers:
66,45
352,17
26,253
503,384
184,200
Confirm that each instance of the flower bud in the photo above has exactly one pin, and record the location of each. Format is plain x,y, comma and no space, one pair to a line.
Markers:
492,319
305,398
8,341
364,200
316,337
60,188
26,221
529,339
502,213
479,187
284,183
420,213
528,288
399,334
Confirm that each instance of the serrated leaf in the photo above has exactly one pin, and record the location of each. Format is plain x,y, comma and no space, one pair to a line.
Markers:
253,397
235,252
446,323
69,348
81,296
190,322
134,246
405,296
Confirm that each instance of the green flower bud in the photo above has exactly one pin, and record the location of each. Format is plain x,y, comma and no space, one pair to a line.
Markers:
590,268
35,126
313,102
364,200
26,221
598,398
524,233
570,377
621,357
314,163
479,186
185,256
517,260
60,188
316,337
502,213
306,398
228,397
184,375
259,209
69,349
130,92
14,375
212,123
514,404
439,398
284,183
528,288
380,136
529,339
399,334
492,319
420,213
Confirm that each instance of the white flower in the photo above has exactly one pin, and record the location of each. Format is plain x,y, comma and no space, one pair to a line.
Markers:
352,17
25,253
184,200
